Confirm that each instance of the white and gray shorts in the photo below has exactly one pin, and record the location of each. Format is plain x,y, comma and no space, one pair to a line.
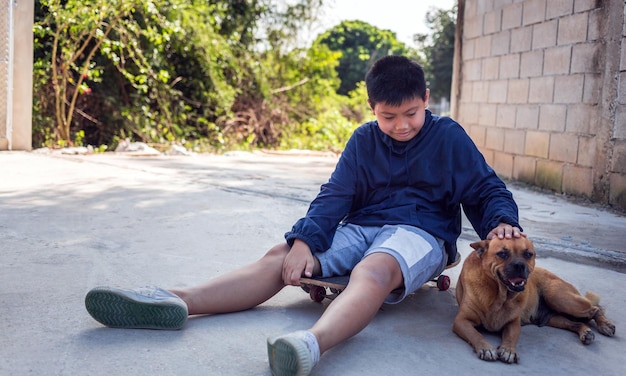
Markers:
420,255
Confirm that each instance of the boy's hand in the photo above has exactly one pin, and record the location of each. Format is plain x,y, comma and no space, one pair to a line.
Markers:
505,230
299,262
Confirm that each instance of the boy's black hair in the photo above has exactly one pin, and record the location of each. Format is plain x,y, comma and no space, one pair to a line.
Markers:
394,79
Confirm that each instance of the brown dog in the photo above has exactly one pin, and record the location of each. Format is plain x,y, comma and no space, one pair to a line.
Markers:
500,289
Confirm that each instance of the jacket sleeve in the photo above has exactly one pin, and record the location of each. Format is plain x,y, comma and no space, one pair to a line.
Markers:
331,205
486,200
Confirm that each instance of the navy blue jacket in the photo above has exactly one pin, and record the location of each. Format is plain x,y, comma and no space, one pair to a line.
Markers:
422,182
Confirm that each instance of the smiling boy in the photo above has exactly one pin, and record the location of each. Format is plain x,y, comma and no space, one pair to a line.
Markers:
389,216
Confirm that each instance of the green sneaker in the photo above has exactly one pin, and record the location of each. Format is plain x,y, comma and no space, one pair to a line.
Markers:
144,308
294,354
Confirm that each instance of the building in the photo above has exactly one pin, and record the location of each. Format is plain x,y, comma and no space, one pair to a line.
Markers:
540,86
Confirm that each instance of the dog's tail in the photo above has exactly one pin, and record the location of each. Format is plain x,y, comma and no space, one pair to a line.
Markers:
593,298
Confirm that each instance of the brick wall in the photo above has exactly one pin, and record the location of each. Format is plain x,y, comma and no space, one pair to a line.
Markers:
540,86
4,69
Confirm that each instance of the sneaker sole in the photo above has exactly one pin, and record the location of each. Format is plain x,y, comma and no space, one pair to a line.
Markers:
288,358
119,309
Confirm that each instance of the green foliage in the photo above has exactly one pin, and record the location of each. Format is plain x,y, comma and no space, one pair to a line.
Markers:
43,98
332,126
360,44
328,130
211,75
438,50
77,32
356,107
171,70
186,82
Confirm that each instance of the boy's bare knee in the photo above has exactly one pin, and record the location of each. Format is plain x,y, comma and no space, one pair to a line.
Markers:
278,250
381,268
276,254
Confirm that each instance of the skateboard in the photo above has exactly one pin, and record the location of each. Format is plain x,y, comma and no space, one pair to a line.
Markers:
320,288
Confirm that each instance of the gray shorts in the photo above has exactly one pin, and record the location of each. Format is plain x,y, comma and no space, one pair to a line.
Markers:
420,255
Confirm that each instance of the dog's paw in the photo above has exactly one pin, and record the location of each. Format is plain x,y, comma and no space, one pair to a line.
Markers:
587,337
507,355
607,328
488,354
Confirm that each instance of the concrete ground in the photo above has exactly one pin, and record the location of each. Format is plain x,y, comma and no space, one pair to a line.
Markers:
69,223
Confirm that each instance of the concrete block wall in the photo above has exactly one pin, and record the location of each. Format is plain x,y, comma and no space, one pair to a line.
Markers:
16,74
540,86
4,68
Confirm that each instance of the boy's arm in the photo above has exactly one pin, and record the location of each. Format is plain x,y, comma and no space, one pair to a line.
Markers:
492,208
331,205
487,202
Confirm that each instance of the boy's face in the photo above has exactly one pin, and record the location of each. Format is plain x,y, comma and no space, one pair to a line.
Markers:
404,122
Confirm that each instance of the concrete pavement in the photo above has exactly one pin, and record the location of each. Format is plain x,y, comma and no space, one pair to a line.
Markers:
69,223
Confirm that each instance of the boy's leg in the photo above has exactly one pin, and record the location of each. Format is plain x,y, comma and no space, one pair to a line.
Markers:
156,308
240,289
297,353
399,260
371,281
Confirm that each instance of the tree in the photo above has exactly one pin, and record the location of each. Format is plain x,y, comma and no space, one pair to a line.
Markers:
153,69
77,34
212,75
87,40
360,44
437,50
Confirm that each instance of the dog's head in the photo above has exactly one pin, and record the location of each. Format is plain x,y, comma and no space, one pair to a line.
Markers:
508,260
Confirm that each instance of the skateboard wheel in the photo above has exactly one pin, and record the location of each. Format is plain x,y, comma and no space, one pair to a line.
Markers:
443,282
317,293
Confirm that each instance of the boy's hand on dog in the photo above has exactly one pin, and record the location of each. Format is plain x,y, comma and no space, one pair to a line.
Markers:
299,262
505,230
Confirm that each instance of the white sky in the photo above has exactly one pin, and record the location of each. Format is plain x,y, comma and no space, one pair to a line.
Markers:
404,17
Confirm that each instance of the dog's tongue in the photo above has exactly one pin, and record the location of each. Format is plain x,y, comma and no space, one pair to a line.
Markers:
517,281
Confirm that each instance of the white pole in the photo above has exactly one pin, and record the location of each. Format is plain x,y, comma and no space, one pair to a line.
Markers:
11,5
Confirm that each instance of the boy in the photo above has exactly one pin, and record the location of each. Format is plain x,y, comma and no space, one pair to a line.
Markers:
389,215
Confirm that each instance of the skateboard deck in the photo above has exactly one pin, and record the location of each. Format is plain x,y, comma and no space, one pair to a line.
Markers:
320,288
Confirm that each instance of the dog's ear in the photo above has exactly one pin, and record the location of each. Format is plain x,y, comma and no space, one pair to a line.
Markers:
480,246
